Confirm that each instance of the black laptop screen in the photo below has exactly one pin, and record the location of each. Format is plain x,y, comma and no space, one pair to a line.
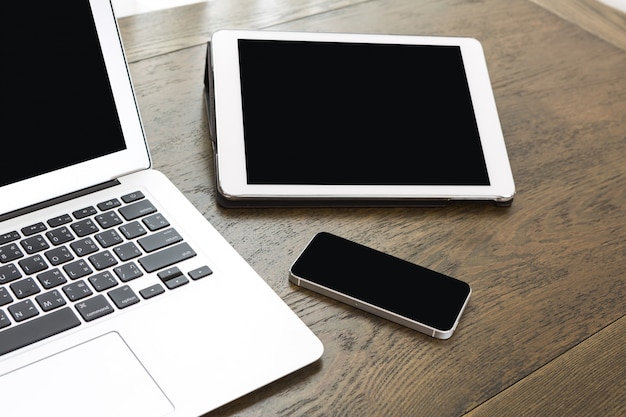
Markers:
57,105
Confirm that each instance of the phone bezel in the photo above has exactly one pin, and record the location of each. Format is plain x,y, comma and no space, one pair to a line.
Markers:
312,284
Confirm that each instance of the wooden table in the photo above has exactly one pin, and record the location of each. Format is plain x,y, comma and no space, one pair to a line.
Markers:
545,330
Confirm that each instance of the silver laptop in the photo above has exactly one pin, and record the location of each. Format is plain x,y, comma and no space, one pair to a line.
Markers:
117,297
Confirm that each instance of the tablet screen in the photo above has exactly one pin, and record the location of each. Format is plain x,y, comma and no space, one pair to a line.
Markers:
325,113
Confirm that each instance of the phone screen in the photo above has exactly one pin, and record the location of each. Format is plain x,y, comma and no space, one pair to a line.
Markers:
341,268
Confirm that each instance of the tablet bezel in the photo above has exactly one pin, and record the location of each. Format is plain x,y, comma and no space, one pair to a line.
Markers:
229,141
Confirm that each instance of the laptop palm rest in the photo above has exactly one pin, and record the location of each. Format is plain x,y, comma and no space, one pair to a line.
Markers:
108,380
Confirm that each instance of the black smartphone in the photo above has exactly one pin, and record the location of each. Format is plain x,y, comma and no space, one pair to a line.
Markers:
381,284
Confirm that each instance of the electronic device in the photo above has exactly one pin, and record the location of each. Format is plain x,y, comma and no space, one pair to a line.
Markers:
304,119
381,284
117,297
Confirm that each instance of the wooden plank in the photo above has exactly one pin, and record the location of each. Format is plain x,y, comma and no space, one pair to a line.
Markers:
585,381
168,30
592,15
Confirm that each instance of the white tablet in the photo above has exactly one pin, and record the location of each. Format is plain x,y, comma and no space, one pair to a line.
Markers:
352,119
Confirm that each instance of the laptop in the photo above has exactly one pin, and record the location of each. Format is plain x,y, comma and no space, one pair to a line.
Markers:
117,297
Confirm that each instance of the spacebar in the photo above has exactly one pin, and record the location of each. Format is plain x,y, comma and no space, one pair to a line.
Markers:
38,329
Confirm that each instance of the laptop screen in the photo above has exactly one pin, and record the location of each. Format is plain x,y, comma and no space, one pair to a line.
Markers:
70,118
58,107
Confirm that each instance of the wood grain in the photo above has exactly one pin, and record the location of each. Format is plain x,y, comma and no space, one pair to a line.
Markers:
586,375
169,30
592,15
547,274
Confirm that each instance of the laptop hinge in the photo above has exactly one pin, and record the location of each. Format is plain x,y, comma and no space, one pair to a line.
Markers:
57,200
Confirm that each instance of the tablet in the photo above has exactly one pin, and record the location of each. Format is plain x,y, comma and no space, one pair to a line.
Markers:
310,119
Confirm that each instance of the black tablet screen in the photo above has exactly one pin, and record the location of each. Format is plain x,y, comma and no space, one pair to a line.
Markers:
358,114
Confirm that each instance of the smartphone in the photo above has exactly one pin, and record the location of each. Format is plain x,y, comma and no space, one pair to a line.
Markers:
381,284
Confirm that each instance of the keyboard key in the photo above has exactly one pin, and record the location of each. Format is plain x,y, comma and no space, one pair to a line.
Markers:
35,228
38,329
167,257
127,251
8,237
60,236
137,210
84,247
176,282
128,272
102,260
84,227
33,264
34,244
59,255
94,308
129,198
50,300
132,230
77,269
155,222
51,278
169,273
9,273
109,204
5,296
109,219
85,212
58,221
4,320
103,281
159,240
25,288
123,297
77,290
201,272
108,238
152,291
23,310
10,253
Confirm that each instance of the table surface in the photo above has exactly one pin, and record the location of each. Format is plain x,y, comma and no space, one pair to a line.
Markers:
545,329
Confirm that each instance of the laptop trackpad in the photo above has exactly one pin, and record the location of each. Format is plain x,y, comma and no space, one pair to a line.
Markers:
101,377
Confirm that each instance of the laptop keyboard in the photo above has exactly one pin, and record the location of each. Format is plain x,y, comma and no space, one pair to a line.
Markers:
76,267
